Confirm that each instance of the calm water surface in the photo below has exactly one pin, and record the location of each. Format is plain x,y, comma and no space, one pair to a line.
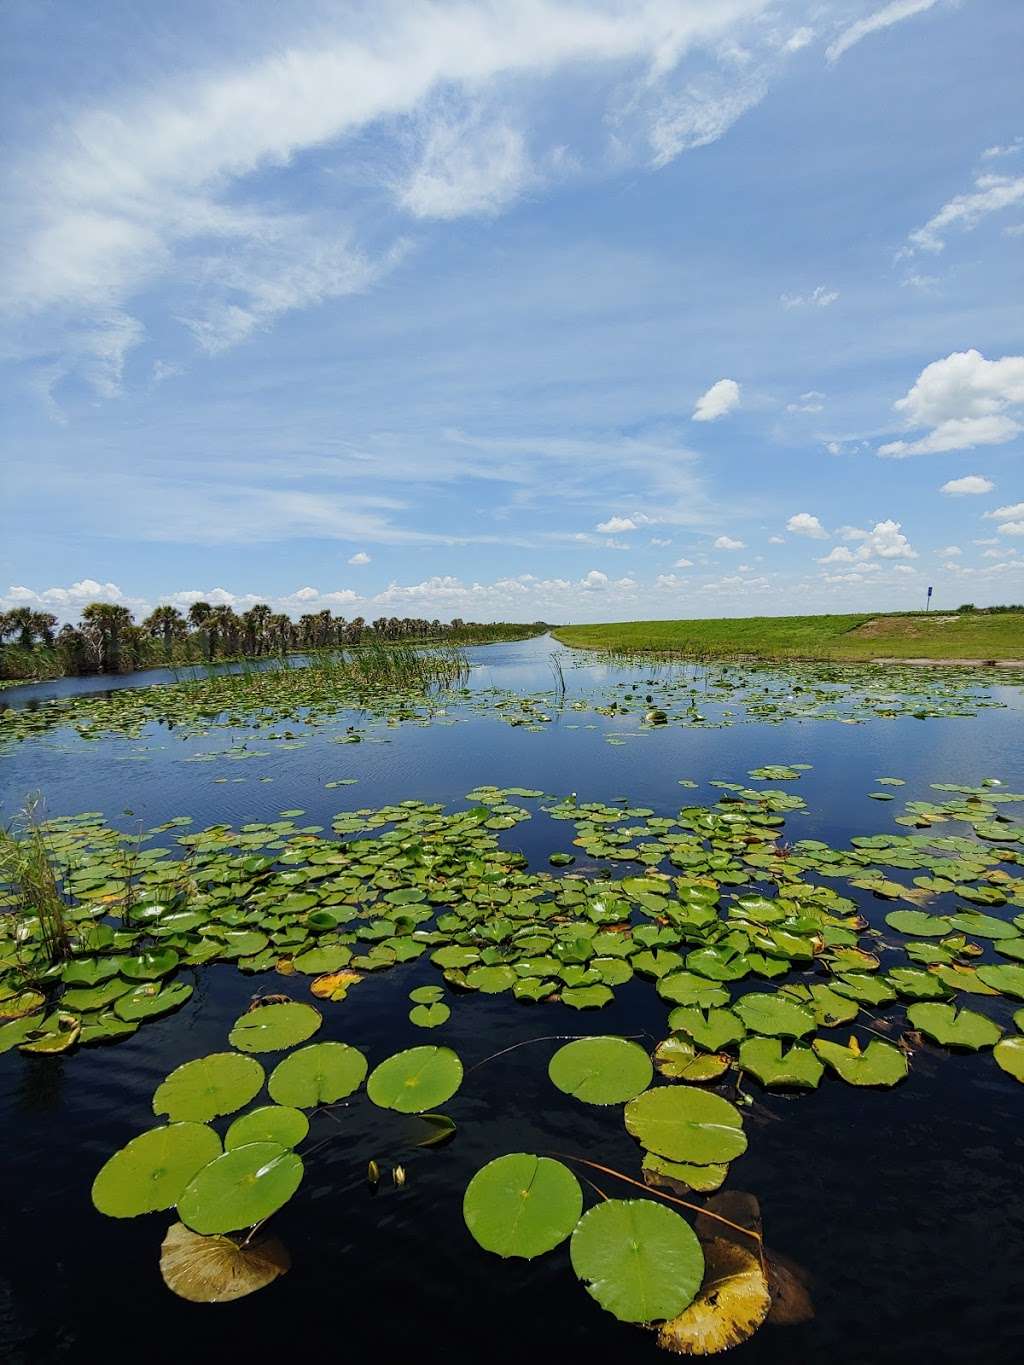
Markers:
906,1208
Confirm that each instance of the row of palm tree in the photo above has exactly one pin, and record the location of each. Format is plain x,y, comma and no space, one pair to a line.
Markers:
108,640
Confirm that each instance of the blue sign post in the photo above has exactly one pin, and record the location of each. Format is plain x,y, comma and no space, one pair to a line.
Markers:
928,602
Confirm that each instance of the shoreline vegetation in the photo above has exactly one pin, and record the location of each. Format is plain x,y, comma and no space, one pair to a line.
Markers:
967,636
107,639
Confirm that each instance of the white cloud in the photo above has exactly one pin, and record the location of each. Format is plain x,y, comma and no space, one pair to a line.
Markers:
1011,528
776,540
885,17
728,543
683,564
722,397
809,402
804,524
969,484
951,550
1007,513
616,524
798,39
884,541
964,212
594,581
966,400
820,297
1006,149
852,533
361,557
658,540
466,167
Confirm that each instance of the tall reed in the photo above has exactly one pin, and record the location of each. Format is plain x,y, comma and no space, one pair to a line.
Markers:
27,868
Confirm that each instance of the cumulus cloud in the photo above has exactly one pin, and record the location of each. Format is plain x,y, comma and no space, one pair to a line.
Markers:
1011,510
616,524
361,557
804,524
722,397
885,540
969,484
1011,528
728,543
890,14
683,564
776,540
967,401
951,550
819,297
809,402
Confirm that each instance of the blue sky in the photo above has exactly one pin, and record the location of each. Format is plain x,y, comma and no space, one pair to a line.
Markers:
533,309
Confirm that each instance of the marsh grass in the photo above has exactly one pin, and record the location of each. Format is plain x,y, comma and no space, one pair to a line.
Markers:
27,868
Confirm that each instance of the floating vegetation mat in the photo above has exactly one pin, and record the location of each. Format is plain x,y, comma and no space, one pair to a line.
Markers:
428,686
772,974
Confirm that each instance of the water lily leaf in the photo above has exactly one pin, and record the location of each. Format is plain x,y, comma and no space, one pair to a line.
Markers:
240,1188
150,965
983,926
733,1302
919,924
429,1016
151,999
775,1015
586,997
681,1176
319,1074
638,1259
415,1080
1006,977
1009,1054
601,1070
213,1085
491,980
57,1033
522,1205
686,988
764,1058
151,1172
270,1123
915,983
678,1059
427,995
320,961
712,1028
687,1125
218,1269
954,1028
439,1129
879,1064
270,1028
866,989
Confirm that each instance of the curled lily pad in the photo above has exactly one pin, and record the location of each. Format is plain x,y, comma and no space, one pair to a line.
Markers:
601,1070
240,1188
270,1123
681,1175
213,1085
764,1058
879,1063
954,1028
733,1302
151,1172
678,1059
319,1074
415,1080
271,1028
522,1205
219,1269
638,1259
687,1125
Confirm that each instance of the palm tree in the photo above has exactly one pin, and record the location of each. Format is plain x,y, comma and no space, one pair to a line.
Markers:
22,620
166,624
42,626
256,622
198,615
106,626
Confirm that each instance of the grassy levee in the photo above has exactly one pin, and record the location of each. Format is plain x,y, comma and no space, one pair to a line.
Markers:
853,638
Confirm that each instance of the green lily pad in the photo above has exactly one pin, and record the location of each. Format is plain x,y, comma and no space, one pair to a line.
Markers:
1006,977
712,1028
429,1016
879,1064
1009,1054
586,997
319,1074
270,1123
150,965
415,1080
638,1259
151,999
954,1028
775,1015
522,1205
213,1085
427,995
687,1125
151,1172
271,1028
677,1058
240,1188
601,1070
705,1179
764,1058
919,924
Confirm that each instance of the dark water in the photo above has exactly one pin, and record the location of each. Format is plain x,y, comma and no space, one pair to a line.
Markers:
906,1208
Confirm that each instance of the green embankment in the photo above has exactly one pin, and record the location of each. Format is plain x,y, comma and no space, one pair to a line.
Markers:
974,636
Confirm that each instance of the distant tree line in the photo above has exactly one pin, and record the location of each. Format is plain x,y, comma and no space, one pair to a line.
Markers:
986,611
108,640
